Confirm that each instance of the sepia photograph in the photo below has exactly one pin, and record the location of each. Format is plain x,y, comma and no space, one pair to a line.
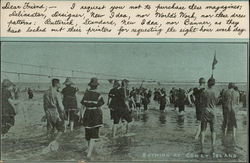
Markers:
124,101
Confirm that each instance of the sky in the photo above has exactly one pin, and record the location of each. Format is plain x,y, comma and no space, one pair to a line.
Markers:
156,61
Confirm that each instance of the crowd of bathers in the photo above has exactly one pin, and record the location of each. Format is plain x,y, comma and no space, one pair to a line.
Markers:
61,105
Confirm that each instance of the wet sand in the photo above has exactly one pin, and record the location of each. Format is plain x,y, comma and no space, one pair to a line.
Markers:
158,136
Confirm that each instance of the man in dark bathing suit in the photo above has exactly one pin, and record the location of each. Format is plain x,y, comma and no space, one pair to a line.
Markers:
113,105
197,92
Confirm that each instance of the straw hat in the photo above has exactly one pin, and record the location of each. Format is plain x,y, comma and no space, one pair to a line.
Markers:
68,81
93,82
7,83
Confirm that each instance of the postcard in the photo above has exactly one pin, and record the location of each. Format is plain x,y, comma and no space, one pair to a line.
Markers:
124,81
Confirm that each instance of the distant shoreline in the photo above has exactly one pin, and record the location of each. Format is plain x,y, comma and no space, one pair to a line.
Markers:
149,83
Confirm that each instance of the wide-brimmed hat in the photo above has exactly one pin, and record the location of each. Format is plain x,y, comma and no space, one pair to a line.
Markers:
68,81
7,83
116,83
93,82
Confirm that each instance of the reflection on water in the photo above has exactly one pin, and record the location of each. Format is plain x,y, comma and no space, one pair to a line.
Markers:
121,145
180,121
170,132
155,133
228,143
144,117
162,118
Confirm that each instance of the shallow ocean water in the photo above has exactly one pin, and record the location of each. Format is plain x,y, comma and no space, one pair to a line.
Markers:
153,136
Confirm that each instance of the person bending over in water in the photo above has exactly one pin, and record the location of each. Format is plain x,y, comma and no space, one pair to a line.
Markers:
54,111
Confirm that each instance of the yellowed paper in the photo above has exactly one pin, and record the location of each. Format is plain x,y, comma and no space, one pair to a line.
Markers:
103,19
